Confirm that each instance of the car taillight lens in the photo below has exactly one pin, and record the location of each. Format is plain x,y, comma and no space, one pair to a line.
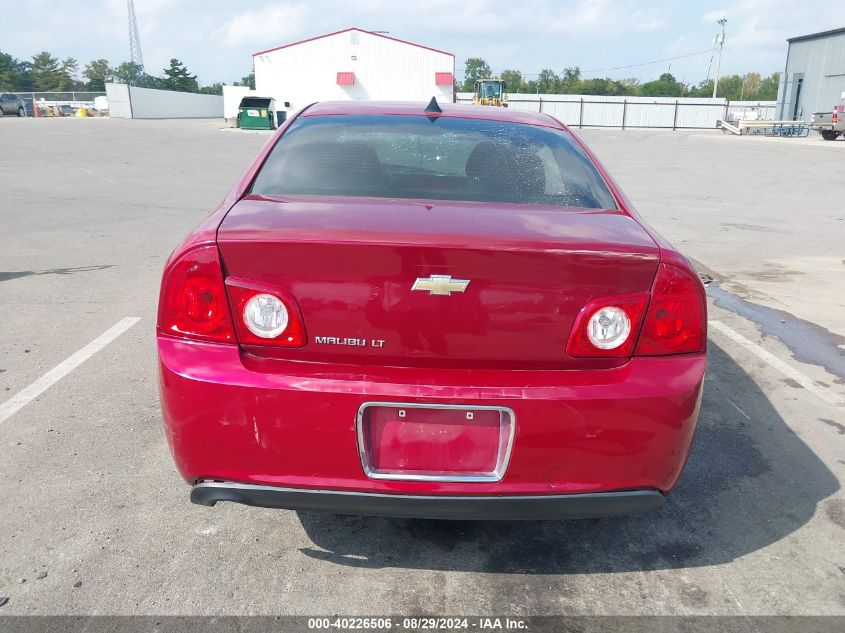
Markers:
265,316
193,299
676,321
607,327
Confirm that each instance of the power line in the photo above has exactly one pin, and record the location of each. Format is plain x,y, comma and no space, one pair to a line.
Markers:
656,61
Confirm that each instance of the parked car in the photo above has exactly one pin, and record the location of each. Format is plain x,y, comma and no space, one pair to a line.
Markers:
11,105
430,312
67,110
829,124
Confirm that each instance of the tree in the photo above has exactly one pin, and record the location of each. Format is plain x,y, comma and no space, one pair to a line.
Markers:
768,90
177,77
475,68
213,89
12,72
513,79
631,85
703,89
605,86
150,81
548,82
129,73
98,72
730,87
750,85
571,80
665,86
44,72
247,80
67,74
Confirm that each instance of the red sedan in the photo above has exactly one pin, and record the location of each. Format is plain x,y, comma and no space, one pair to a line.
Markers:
434,312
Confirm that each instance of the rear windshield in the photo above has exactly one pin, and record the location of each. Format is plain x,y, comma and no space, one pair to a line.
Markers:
442,159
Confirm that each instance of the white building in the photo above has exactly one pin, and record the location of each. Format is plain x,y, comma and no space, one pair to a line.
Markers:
814,77
353,64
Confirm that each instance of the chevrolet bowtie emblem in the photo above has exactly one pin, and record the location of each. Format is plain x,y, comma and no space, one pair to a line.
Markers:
440,284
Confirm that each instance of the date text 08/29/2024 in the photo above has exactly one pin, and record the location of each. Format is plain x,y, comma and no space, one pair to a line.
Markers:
417,623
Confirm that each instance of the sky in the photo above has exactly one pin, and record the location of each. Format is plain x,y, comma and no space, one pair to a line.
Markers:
216,39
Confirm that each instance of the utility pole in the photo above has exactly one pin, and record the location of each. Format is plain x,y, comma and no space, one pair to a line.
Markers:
720,42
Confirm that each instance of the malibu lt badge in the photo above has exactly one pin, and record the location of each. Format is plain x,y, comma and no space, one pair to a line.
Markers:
349,342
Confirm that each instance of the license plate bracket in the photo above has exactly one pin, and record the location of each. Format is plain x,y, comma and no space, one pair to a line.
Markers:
434,442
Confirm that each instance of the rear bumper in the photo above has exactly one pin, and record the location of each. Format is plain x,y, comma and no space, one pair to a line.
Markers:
538,507
232,417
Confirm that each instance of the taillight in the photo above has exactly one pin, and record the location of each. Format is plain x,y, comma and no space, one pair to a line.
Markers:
193,299
265,316
676,321
607,327
835,116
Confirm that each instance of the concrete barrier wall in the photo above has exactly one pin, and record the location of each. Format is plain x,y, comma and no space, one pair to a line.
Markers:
146,103
119,104
232,96
167,104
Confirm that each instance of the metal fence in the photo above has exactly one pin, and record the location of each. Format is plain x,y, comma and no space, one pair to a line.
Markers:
637,112
47,99
61,97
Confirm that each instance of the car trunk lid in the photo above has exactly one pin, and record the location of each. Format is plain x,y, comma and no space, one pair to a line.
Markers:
378,281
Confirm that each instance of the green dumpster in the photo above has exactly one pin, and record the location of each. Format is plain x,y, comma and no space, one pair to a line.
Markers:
257,113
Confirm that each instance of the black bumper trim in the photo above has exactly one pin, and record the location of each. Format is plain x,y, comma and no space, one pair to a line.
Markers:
572,506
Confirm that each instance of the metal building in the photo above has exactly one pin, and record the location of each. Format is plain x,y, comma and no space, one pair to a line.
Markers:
353,64
814,77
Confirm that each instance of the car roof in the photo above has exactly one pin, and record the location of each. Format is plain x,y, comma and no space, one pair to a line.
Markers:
452,110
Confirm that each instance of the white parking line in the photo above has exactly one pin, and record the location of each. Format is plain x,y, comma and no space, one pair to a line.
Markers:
35,389
787,370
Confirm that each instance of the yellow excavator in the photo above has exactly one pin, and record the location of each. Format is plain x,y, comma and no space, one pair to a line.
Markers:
490,92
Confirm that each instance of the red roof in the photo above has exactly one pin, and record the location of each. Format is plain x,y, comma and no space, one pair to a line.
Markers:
453,110
319,37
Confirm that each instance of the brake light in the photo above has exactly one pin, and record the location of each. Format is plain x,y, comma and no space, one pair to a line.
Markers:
265,316
607,327
676,321
193,299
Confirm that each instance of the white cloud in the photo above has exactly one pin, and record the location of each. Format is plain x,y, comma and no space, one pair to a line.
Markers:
757,30
711,16
274,23
647,20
